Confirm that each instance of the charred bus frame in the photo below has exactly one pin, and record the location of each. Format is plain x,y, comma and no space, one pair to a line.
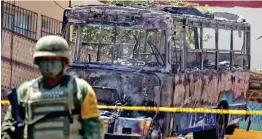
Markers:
175,79
200,22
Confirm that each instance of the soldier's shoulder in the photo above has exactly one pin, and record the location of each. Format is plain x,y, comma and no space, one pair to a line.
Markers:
81,82
83,86
27,84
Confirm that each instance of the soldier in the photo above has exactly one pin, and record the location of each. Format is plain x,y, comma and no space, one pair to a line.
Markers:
45,100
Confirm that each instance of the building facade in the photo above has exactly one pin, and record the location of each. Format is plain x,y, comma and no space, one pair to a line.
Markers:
22,24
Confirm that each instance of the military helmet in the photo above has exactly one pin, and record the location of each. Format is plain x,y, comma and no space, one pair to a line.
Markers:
52,45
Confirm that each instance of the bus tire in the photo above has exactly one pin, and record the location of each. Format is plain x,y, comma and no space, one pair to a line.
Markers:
230,130
218,132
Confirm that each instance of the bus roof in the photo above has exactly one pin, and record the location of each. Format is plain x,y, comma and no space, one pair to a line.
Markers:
131,17
153,17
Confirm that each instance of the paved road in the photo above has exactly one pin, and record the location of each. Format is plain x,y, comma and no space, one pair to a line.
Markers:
238,134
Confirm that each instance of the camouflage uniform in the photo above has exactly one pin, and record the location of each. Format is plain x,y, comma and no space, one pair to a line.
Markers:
36,100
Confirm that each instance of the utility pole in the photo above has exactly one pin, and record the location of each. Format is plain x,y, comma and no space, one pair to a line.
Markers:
68,32
70,4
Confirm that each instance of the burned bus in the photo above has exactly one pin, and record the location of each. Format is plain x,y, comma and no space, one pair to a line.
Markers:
155,56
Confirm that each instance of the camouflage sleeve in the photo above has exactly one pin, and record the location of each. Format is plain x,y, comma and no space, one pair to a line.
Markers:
9,121
91,123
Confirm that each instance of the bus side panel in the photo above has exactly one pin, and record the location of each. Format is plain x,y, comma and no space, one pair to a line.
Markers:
207,90
194,122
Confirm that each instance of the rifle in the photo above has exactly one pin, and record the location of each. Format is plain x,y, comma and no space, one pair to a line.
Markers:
17,131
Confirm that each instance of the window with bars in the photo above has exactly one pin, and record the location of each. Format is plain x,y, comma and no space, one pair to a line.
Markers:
50,26
19,20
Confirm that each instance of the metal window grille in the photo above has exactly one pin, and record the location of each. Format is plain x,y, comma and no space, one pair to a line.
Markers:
50,26
19,20
10,1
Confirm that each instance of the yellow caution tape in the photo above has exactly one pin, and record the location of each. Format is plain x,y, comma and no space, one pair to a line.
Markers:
183,110
5,102
175,110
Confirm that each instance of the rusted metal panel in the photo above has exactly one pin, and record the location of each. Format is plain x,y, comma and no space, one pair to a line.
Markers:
204,88
166,93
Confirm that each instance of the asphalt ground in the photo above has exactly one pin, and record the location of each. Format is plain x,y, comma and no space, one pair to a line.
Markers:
238,134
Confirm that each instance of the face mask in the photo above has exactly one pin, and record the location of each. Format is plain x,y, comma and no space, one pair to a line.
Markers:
50,68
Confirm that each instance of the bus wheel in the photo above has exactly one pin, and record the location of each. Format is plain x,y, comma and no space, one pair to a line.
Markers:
217,133
230,130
